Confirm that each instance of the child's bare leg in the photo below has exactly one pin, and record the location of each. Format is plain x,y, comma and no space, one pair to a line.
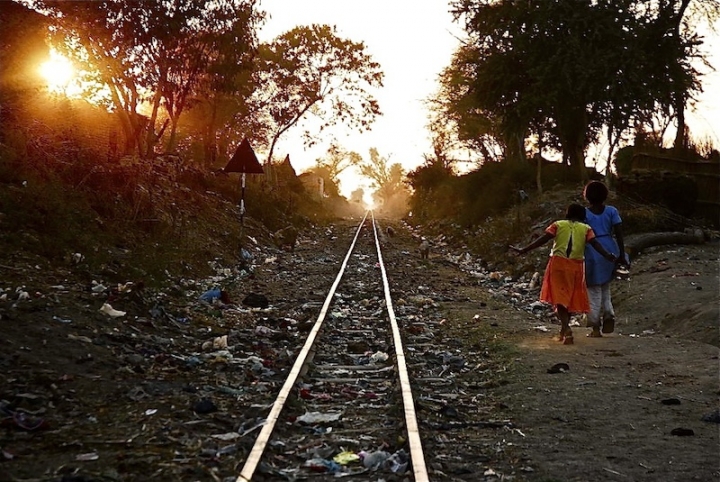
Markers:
565,331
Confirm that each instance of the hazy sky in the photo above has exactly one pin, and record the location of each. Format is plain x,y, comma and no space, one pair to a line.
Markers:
410,39
413,41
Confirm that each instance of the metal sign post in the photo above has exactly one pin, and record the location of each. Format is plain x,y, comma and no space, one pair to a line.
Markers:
245,162
242,200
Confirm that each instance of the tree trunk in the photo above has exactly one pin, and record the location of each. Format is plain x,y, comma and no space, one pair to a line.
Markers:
125,123
515,148
151,138
210,141
636,244
538,172
172,137
576,157
681,134
612,143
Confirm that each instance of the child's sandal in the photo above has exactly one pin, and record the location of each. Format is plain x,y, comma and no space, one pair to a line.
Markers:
608,325
566,336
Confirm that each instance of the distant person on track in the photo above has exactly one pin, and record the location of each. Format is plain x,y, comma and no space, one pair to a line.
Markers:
606,224
424,249
564,281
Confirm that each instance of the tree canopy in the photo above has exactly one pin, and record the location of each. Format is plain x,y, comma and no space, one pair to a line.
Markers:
310,70
387,179
337,160
563,69
159,53
168,65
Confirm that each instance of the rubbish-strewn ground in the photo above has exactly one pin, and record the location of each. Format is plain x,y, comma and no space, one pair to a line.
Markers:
632,404
154,394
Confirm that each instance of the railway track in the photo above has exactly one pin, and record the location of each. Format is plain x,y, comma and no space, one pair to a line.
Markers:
349,385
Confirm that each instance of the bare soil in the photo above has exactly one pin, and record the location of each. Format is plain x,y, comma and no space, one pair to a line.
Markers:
610,417
115,402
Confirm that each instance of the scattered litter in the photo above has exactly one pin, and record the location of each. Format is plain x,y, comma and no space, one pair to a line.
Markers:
220,343
374,460
559,368
378,357
98,287
261,330
205,406
20,420
345,458
712,417
215,294
87,457
614,472
311,418
322,465
226,437
125,288
255,300
110,311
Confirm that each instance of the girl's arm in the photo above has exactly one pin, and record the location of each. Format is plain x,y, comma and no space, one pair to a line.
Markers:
618,231
535,244
598,247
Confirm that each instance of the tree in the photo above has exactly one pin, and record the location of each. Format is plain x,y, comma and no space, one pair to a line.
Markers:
215,58
454,107
386,178
312,71
337,160
101,39
569,67
677,39
444,140
357,196
157,52
431,186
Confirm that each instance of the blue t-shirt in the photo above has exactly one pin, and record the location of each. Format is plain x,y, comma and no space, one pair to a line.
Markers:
599,270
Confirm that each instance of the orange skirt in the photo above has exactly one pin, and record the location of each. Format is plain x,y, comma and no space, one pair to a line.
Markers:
564,284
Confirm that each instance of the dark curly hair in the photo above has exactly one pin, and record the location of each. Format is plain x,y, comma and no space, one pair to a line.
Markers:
595,192
575,212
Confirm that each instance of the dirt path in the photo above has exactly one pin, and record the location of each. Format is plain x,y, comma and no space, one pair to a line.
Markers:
116,393
612,415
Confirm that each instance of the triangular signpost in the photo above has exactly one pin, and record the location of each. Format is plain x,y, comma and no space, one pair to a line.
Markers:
244,161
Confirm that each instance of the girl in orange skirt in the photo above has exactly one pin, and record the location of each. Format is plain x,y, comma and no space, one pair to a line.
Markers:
564,281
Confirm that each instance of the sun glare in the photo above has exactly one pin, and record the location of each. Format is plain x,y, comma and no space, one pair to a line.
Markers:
368,200
58,72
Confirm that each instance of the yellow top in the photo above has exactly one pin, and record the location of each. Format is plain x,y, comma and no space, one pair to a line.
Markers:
570,238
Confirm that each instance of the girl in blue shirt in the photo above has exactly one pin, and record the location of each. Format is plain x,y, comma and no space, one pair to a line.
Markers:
606,224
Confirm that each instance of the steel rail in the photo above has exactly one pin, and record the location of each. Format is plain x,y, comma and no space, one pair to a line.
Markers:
416,451
258,448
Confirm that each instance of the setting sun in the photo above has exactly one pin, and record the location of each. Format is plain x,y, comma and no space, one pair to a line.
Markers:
58,72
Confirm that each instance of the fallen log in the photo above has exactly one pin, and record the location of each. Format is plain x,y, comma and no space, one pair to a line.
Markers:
639,242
